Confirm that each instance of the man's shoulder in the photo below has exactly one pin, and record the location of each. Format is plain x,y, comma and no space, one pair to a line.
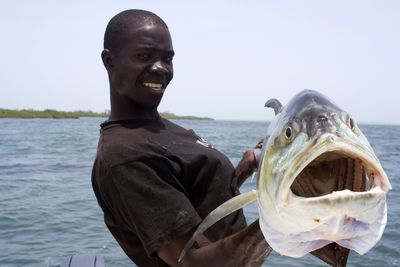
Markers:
128,143
169,124
119,144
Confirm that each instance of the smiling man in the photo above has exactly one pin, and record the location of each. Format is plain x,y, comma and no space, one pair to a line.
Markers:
154,180
138,57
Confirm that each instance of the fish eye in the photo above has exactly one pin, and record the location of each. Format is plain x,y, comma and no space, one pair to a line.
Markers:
351,123
288,133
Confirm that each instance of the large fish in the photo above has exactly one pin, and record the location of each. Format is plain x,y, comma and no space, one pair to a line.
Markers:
318,182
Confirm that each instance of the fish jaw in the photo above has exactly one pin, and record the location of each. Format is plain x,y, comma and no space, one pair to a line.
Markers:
295,226
297,245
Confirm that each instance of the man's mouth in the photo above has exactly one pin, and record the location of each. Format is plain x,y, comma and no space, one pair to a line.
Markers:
153,85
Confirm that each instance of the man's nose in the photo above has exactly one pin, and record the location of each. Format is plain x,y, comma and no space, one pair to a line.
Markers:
158,66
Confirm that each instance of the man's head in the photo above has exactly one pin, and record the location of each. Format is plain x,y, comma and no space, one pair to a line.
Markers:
138,56
119,26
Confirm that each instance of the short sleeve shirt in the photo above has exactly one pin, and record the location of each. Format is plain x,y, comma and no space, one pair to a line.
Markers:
155,181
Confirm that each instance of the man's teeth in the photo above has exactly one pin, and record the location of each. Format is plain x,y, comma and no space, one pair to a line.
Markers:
153,85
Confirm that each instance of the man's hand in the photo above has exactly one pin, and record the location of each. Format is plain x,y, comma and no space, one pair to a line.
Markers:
245,248
249,163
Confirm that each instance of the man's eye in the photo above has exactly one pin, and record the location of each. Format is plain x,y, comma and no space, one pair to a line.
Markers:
143,56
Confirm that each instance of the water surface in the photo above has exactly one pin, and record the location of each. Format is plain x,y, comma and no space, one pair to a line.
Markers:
48,210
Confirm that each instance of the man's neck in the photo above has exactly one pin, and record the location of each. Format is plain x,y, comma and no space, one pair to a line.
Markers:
133,114
125,109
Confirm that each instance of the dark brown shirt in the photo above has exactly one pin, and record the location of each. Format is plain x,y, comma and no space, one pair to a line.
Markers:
155,181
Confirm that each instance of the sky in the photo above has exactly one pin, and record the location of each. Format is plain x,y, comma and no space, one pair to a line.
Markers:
231,56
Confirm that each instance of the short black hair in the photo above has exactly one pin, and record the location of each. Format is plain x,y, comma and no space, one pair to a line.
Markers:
119,25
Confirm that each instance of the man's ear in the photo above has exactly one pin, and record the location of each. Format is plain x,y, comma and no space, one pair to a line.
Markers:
107,59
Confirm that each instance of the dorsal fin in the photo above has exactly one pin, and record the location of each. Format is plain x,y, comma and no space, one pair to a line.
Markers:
275,104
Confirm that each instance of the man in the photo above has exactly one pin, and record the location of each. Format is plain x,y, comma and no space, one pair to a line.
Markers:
154,180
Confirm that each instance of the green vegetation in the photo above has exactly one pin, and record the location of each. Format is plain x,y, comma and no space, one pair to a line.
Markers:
169,115
89,113
47,114
54,114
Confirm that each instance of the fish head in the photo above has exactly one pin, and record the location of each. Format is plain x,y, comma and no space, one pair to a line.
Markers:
319,180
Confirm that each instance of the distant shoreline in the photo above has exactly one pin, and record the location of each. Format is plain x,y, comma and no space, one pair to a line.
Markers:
55,114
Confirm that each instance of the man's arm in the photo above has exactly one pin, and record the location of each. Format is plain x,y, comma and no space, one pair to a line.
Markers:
245,248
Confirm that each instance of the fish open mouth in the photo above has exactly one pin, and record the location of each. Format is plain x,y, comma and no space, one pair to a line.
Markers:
330,172
334,171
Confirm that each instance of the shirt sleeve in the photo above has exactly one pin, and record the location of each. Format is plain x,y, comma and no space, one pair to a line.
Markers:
150,202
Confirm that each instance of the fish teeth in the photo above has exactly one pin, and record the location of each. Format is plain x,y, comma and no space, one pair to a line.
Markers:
153,85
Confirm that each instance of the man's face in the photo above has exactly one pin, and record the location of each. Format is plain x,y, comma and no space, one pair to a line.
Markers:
142,67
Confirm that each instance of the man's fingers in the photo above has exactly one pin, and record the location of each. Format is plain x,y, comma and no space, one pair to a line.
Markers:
260,143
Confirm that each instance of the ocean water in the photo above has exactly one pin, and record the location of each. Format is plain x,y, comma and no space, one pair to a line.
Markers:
48,210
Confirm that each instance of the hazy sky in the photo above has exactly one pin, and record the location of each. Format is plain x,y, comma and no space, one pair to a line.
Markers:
231,56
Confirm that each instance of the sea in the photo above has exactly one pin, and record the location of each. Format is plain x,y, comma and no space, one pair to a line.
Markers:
48,210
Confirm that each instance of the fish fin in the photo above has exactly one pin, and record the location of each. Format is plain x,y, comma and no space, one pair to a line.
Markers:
275,104
221,211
